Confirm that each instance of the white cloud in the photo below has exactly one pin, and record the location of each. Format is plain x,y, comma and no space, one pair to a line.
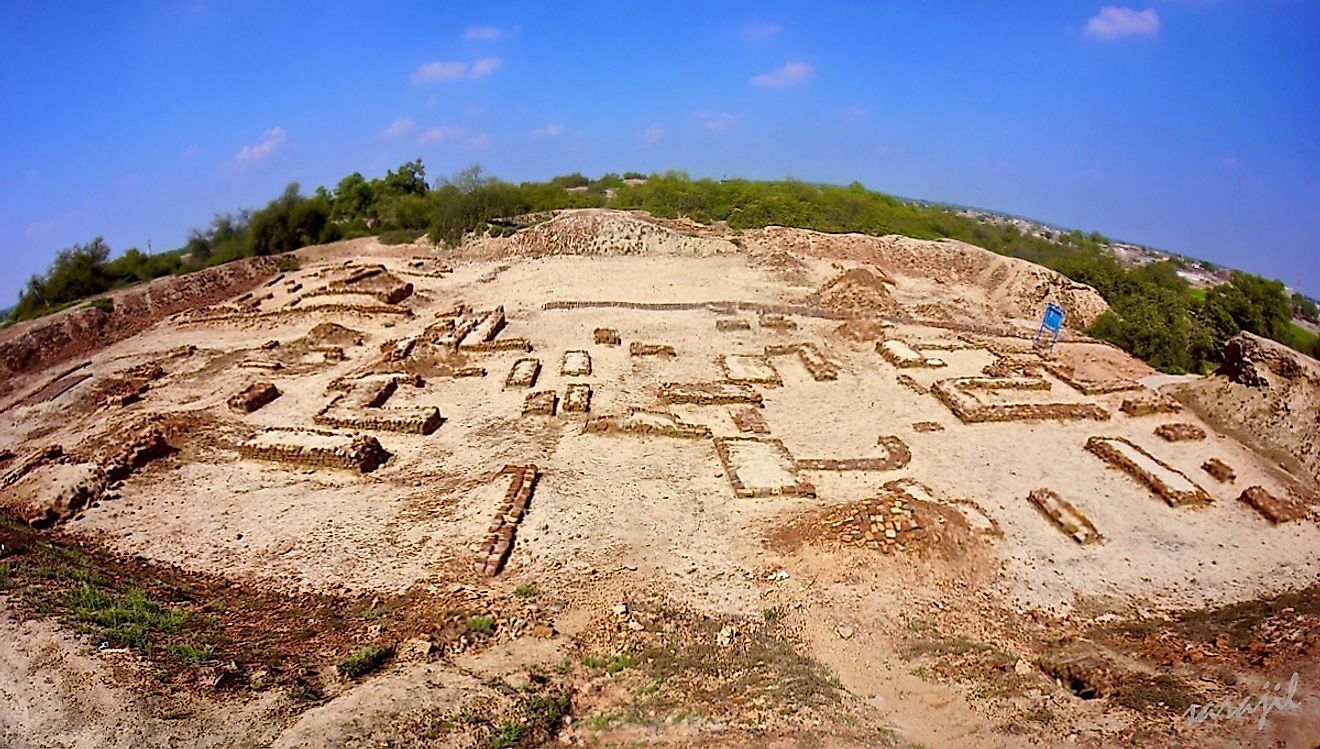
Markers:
652,134
716,122
270,140
485,66
1113,22
791,74
191,151
447,132
434,72
757,31
40,227
554,129
489,33
401,126
478,142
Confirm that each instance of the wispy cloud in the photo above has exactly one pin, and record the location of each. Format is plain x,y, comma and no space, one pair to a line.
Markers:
401,126
758,31
270,140
485,66
791,74
652,134
1113,22
453,70
552,130
478,142
489,33
446,132
38,228
716,122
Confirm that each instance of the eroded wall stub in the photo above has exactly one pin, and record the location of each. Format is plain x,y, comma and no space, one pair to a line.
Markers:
577,398
636,348
253,397
903,356
908,382
776,321
1179,432
1221,471
750,420
540,403
363,407
728,325
575,363
1149,403
896,456
977,518
493,552
315,448
1065,516
523,373
820,366
606,337
1272,508
1089,387
645,422
927,426
709,393
759,467
749,368
889,522
957,395
1164,480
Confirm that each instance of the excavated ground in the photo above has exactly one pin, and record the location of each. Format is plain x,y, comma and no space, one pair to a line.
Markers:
860,564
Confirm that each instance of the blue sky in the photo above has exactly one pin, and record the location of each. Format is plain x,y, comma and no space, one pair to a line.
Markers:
1189,125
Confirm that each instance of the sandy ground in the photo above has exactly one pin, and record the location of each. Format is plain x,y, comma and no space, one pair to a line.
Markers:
656,513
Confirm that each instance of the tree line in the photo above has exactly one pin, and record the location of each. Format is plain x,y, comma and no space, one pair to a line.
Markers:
1154,313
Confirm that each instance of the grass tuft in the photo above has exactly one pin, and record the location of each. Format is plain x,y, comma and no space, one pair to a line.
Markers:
364,661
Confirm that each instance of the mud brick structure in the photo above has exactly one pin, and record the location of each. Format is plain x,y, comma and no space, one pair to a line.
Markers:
523,373
269,365
1221,471
1161,478
486,328
718,307
896,456
577,398
373,281
1271,507
33,461
709,393
1150,403
575,363
1179,432
494,550
903,356
750,420
927,426
502,344
776,321
540,403
637,348
360,310
759,467
748,368
728,325
1089,387
887,523
362,407
147,445
468,372
956,394
315,448
1014,366
1065,516
977,518
821,368
606,337
644,422
906,381
254,396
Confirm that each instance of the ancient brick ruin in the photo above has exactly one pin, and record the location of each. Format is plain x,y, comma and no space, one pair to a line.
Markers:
644,422
1065,516
253,397
896,456
903,356
577,398
1179,432
540,403
927,426
776,321
958,395
760,467
906,381
315,448
1164,480
888,522
494,550
749,368
821,368
1221,471
709,393
362,407
1272,508
730,324
575,364
637,348
606,337
523,373
1089,387
750,420
1150,403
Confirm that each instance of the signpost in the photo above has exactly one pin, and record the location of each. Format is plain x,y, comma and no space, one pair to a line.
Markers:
1053,322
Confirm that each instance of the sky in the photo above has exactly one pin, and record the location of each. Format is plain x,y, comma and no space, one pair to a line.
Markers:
1188,125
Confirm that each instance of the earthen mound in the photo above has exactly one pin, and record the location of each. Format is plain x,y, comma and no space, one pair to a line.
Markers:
333,334
859,291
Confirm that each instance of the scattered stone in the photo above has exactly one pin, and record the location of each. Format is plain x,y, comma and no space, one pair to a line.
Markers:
1179,432
1220,470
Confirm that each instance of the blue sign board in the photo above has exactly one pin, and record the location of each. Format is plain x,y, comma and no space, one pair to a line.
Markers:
1053,317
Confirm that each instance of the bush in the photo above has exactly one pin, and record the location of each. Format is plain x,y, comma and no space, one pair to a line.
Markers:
364,661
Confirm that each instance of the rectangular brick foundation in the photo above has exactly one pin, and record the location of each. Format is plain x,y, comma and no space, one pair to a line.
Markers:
540,403
1106,448
577,398
737,454
493,553
709,393
953,393
1065,516
523,373
254,396
575,364
1271,507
